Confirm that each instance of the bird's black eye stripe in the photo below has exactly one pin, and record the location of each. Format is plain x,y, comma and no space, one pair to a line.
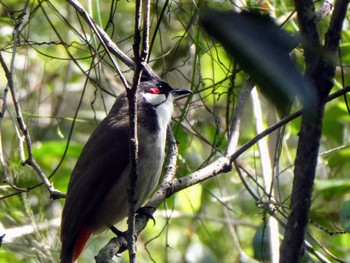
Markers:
159,88
164,87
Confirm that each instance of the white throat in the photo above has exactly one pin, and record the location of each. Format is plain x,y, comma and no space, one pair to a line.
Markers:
164,107
164,112
154,99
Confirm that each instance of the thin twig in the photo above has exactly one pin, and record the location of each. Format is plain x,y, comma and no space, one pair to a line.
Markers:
22,126
145,38
311,127
158,25
267,174
133,144
2,114
170,168
272,208
237,115
106,42
223,164
324,10
117,245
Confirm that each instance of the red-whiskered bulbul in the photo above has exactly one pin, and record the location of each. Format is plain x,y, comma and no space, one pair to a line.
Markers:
97,196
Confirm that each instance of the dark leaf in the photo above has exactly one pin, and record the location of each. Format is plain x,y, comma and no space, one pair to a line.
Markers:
262,49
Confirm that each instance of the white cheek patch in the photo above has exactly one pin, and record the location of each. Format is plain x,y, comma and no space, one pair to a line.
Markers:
154,99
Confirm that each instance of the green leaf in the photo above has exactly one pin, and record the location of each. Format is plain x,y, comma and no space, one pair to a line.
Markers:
332,188
262,49
49,153
344,215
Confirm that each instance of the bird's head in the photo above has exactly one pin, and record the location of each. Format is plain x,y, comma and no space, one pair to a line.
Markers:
158,92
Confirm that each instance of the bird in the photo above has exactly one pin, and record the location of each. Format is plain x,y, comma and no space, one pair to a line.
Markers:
97,195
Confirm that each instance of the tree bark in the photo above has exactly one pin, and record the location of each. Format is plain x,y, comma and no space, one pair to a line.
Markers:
320,68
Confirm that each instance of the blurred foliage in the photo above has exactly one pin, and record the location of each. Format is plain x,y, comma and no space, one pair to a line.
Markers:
262,49
59,62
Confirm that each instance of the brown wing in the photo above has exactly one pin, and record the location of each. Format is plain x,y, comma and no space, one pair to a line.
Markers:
102,161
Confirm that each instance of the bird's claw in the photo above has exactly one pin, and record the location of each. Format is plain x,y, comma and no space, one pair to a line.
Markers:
145,210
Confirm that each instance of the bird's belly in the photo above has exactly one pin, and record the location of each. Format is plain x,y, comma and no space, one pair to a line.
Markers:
115,206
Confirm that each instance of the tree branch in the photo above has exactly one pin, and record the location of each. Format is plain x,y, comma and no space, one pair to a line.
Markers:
102,37
311,126
221,165
108,44
308,30
21,123
237,115
140,58
118,244
333,34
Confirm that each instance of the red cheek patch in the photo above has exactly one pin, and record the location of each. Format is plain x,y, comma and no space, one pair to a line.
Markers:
154,90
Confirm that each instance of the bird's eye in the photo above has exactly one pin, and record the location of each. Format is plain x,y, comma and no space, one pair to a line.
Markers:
154,90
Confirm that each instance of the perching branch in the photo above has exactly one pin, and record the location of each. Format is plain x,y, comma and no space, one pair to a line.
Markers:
221,165
140,58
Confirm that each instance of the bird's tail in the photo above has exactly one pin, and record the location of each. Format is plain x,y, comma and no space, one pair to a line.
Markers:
71,253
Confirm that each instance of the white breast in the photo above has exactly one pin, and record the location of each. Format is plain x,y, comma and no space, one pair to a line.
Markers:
150,163
164,112
151,157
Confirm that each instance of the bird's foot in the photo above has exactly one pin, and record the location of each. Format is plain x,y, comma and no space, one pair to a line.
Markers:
117,232
146,210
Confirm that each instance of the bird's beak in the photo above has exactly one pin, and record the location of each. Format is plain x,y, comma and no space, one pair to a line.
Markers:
179,91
